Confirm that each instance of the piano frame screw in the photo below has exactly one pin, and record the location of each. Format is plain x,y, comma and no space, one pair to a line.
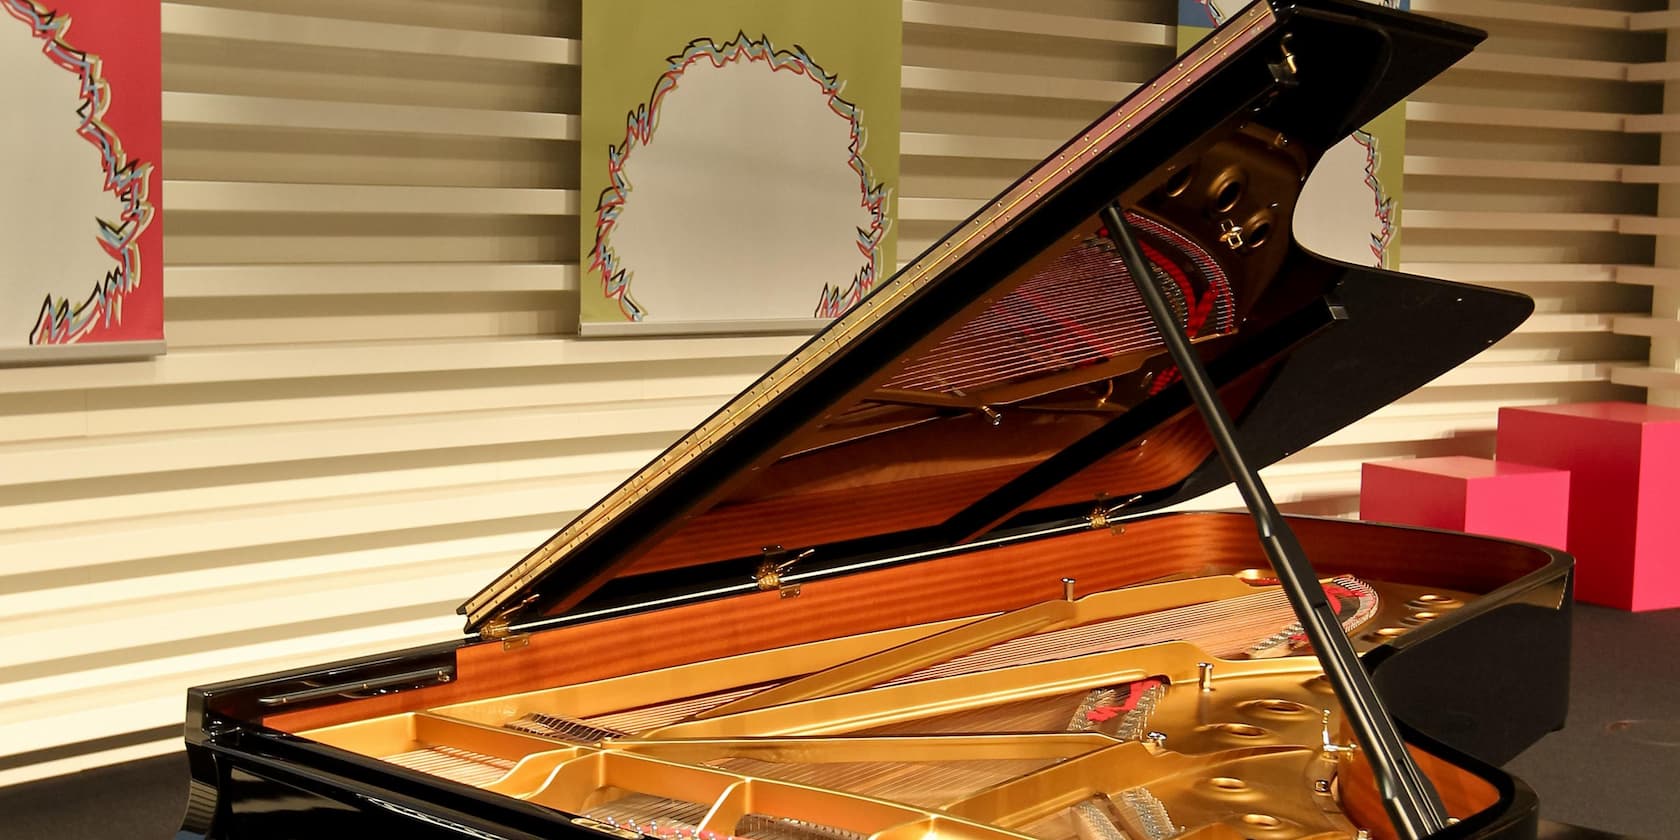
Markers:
1204,676
1230,233
1067,588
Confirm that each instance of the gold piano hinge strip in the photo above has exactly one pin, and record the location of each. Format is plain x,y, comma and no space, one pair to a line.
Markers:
1052,172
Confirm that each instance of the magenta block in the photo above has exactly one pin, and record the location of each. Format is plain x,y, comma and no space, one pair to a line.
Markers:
1624,506
1473,495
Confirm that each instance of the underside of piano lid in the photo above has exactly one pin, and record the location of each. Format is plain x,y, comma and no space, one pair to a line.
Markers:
1008,379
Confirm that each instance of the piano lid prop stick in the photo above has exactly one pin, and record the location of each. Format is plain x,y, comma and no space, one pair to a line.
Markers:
1411,801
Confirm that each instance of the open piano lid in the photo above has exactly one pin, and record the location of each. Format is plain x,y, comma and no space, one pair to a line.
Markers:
1008,380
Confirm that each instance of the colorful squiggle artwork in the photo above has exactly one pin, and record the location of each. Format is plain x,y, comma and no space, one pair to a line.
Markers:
67,317
642,125
1382,210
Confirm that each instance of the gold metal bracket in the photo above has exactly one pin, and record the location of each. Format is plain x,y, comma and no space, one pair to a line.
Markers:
1230,233
500,628
1285,70
497,629
771,567
1103,515
1330,747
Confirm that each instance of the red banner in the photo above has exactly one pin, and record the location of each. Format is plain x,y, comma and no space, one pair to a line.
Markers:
82,175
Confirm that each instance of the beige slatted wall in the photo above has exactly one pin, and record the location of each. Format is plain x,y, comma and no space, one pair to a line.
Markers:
1518,175
372,403
1662,375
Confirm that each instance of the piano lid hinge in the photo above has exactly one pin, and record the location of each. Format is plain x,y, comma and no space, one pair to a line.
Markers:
772,565
500,627
499,630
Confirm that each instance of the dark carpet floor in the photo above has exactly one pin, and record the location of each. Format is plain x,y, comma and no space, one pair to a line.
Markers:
1616,767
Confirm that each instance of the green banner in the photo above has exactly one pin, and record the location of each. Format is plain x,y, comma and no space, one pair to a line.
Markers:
739,162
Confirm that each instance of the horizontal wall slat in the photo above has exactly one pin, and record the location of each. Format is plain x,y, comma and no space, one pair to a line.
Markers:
387,357
1526,12
189,108
222,281
1011,22
1545,66
1013,84
1645,275
1426,111
1535,169
268,28
1491,272
72,459
203,196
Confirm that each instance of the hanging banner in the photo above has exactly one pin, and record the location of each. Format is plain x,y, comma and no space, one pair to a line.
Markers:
80,146
1350,206
739,162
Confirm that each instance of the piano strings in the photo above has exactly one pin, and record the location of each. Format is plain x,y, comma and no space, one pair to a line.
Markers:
1082,309
1228,628
455,764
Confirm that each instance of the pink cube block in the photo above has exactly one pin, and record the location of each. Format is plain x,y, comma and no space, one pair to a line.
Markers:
1624,506
1473,495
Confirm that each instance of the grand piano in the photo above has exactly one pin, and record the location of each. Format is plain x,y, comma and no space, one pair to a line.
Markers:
917,580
